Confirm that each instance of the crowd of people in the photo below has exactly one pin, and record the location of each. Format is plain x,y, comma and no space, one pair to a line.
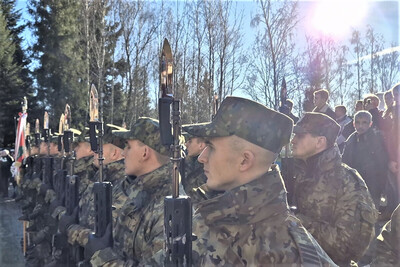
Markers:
334,207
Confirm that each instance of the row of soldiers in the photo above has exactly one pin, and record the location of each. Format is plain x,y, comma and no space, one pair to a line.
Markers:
241,211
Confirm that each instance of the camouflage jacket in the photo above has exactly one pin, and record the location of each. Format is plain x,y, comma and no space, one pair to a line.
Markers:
85,170
388,242
194,175
114,173
334,205
139,231
251,225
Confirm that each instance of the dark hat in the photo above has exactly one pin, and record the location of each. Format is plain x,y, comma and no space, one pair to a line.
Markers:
110,138
318,124
249,120
147,131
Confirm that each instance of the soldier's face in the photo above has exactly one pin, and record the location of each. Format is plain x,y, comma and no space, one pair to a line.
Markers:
362,124
53,149
132,153
82,150
319,101
43,148
304,145
221,164
194,146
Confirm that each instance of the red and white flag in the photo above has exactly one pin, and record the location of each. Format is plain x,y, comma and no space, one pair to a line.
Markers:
20,148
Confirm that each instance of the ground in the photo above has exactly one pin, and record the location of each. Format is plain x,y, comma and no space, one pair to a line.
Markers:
11,254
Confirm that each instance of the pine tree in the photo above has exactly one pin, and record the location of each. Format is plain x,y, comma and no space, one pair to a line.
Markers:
61,71
10,77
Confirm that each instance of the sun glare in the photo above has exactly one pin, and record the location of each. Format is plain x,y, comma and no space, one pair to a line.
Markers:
336,18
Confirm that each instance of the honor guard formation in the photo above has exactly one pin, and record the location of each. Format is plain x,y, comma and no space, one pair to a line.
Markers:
251,187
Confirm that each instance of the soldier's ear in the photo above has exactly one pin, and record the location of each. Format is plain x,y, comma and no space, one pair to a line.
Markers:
146,152
247,160
321,142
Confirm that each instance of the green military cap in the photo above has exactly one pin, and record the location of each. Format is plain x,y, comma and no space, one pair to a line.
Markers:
147,131
318,124
80,136
249,120
110,138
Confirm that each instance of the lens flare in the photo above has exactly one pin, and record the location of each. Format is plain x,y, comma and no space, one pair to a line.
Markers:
336,18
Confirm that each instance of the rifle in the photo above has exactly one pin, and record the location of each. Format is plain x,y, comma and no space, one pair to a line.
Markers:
177,209
71,198
102,190
37,163
48,160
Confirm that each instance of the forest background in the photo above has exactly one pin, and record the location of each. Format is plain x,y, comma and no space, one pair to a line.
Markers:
218,48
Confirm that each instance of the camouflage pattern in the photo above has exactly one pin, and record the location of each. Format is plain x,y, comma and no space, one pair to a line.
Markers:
251,225
85,170
114,173
147,131
139,231
318,124
109,138
194,175
334,205
249,120
388,247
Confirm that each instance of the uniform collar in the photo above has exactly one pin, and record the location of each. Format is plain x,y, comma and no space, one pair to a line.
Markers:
261,199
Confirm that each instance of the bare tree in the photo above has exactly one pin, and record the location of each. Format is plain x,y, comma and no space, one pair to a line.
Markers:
139,26
276,21
388,68
358,48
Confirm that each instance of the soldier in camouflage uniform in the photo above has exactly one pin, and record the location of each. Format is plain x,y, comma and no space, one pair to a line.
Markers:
113,172
332,200
388,247
249,224
139,229
83,167
193,169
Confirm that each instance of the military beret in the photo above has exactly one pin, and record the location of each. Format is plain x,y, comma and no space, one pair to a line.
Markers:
110,138
249,120
147,131
318,124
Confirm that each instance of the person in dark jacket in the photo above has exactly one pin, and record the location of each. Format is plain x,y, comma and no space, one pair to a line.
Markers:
321,103
5,164
365,151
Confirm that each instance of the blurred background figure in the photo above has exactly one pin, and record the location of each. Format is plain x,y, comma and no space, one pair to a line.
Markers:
5,173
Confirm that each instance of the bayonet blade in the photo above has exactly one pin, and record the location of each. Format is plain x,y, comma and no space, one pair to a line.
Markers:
24,105
37,127
166,70
46,121
67,117
61,124
94,104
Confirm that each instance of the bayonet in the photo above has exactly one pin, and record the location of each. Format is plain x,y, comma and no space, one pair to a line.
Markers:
177,209
102,190
37,133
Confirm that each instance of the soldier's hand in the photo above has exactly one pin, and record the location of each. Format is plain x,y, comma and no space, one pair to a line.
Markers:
94,244
68,220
